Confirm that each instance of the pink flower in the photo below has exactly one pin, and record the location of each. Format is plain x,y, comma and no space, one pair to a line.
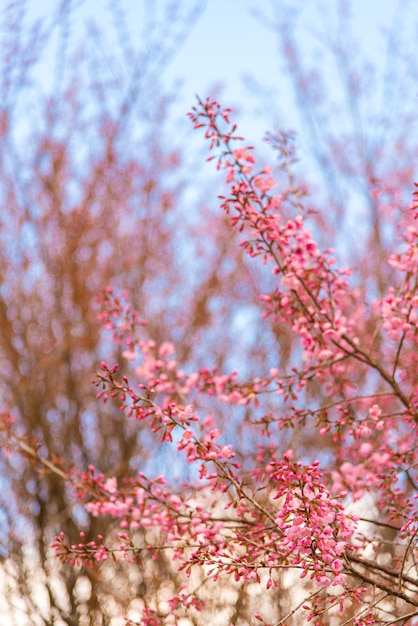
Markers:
365,449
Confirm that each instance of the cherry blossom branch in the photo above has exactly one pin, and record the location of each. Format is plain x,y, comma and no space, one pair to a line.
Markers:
241,163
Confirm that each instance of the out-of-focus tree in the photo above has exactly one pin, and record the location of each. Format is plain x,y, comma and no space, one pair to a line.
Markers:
96,189
93,191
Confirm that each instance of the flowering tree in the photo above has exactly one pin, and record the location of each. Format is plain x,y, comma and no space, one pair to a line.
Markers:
294,473
340,516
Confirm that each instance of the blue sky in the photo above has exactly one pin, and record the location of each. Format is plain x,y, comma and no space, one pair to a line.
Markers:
228,43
